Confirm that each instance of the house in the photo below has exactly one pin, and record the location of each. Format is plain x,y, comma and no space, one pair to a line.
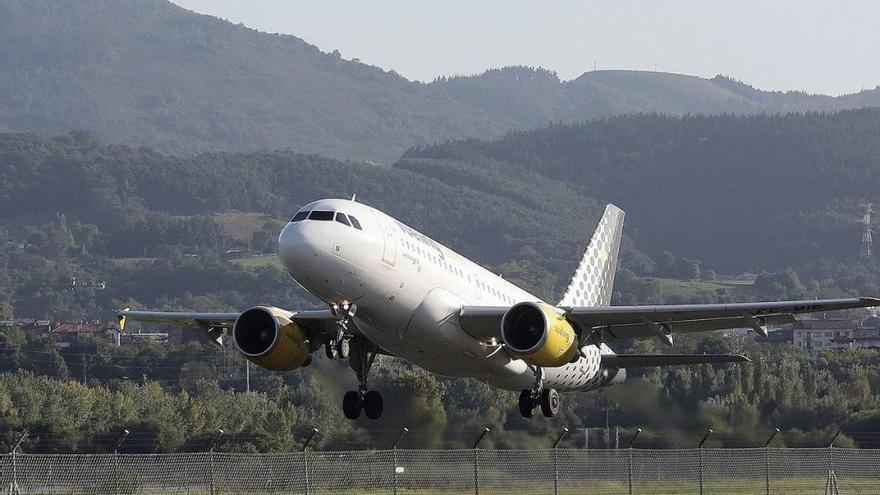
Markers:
836,333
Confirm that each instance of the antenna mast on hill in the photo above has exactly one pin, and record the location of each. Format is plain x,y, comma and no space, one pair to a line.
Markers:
867,239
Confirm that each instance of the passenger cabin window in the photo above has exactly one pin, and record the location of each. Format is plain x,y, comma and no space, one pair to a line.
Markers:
300,216
321,215
355,223
341,218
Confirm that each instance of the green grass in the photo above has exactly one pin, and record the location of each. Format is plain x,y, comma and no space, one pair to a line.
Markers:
259,261
793,486
240,226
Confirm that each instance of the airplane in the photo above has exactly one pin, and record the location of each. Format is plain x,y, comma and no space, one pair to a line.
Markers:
391,290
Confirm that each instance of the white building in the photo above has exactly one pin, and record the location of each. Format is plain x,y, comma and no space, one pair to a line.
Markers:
839,333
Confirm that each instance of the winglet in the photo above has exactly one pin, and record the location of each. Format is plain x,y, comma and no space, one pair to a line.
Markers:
869,302
120,316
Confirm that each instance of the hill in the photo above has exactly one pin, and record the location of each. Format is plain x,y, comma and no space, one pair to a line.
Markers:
148,72
737,192
156,229
778,196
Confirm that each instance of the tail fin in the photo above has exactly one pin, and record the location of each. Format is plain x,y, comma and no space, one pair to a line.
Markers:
593,280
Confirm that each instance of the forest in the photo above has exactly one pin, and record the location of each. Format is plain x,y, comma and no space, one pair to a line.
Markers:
777,203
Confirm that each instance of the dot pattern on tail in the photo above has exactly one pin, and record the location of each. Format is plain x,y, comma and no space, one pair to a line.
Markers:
593,280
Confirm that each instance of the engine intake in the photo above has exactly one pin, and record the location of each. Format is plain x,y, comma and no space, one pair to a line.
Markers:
267,337
539,335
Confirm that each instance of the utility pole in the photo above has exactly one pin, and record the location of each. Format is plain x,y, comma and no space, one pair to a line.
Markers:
607,427
247,375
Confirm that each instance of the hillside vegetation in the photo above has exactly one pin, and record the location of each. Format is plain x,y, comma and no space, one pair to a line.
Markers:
738,193
147,72
156,227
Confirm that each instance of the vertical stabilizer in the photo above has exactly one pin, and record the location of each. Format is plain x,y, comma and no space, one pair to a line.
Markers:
593,280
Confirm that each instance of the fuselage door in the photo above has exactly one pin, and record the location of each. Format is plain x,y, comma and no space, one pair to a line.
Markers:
389,238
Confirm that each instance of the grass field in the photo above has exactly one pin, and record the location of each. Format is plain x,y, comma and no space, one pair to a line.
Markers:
240,226
793,486
259,261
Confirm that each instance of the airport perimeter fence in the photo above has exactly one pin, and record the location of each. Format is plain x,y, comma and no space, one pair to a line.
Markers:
553,471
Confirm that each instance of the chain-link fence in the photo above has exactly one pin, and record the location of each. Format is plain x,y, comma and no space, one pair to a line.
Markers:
555,471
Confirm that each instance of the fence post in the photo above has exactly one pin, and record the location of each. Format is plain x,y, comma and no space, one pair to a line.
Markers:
394,452
831,483
306,458
629,451
767,458
116,461
14,487
476,450
556,461
703,441
211,458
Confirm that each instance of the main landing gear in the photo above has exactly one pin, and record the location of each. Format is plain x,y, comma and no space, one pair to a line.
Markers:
363,353
360,354
547,398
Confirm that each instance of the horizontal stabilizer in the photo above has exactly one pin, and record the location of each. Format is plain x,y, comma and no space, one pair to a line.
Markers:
653,360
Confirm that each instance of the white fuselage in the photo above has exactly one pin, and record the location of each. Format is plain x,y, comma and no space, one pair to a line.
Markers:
408,290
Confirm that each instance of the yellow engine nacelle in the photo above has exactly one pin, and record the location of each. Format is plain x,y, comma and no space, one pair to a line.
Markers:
266,336
539,335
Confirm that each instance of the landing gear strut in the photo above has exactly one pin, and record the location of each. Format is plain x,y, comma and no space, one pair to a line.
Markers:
547,398
363,353
339,346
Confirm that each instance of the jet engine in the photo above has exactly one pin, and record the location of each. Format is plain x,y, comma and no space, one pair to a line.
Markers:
539,335
269,339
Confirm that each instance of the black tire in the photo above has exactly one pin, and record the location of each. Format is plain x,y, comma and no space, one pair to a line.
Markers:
526,404
351,405
550,402
344,349
373,404
330,349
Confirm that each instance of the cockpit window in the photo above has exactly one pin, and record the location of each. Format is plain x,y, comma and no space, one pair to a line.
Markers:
341,218
300,216
355,223
321,215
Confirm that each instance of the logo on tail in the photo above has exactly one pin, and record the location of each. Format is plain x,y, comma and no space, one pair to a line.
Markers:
593,280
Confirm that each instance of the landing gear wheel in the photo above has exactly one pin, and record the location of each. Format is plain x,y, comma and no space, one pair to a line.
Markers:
343,349
330,349
351,405
373,404
550,402
526,404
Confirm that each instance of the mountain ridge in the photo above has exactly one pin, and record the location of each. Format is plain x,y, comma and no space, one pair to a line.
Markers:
152,73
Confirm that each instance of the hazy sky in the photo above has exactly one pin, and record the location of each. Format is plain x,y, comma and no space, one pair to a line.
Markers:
820,47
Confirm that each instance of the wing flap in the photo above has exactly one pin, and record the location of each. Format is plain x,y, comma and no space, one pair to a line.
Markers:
589,317
179,318
655,360
648,329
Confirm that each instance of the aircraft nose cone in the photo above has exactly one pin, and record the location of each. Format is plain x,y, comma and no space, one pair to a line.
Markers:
296,243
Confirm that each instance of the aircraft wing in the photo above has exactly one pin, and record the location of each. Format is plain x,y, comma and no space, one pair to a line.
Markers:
313,321
608,323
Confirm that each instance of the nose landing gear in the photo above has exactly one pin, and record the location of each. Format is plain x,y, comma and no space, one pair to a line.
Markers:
338,346
547,398
363,353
